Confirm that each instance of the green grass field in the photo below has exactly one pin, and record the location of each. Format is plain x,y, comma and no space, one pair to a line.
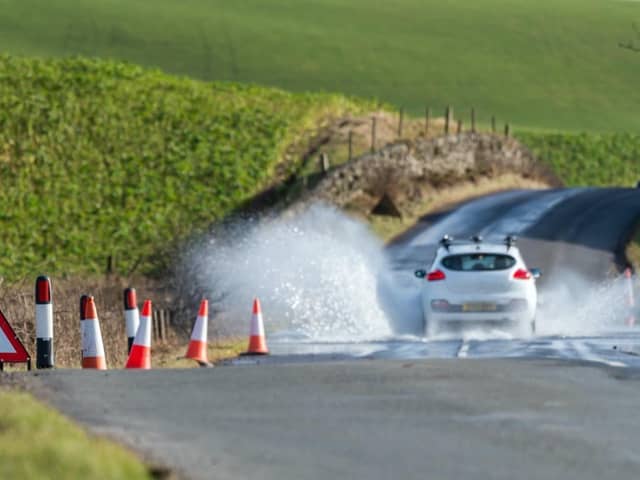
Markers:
101,158
551,64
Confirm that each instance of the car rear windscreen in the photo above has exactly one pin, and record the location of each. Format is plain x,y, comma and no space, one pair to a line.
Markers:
470,262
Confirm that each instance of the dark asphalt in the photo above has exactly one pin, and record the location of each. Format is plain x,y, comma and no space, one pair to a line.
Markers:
390,414
582,231
435,419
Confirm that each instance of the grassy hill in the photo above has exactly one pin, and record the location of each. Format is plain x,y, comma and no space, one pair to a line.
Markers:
548,63
101,158
588,159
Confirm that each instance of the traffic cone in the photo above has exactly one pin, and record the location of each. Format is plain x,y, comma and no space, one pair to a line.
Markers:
140,355
257,340
198,344
92,346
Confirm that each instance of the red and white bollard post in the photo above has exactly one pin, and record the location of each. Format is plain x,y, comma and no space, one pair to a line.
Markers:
631,317
131,316
44,323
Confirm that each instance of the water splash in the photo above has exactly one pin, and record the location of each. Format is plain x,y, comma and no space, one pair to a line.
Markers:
317,276
324,277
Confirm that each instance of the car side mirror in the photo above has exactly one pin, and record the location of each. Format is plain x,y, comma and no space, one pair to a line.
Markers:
535,272
420,273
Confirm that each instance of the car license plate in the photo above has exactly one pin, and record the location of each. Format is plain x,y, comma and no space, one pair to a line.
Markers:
479,307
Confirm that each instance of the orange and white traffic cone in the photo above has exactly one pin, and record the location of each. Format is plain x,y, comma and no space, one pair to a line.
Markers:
198,344
140,355
257,339
92,346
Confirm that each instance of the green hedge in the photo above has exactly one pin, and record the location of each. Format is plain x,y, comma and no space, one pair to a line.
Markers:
100,158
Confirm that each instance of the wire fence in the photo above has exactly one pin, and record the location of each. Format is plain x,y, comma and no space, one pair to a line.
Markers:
428,127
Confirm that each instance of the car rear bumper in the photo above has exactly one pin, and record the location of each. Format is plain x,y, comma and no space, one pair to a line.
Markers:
501,318
503,309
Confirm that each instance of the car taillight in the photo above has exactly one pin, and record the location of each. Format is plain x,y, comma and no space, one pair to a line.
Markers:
522,274
435,276
439,305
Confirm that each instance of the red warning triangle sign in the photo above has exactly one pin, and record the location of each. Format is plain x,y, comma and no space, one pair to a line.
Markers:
11,349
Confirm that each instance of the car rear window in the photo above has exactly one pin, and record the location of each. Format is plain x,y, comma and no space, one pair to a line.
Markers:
473,262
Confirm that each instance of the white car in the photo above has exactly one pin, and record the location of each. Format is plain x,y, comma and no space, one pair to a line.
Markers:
479,284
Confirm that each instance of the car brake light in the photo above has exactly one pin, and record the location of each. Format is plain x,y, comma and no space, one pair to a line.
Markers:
522,274
435,276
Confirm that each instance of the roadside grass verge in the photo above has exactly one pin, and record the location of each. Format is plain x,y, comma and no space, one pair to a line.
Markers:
220,349
38,442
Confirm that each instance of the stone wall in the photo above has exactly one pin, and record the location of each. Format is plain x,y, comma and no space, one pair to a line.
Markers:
405,171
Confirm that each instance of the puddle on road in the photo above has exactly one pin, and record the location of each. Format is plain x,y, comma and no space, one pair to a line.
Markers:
328,290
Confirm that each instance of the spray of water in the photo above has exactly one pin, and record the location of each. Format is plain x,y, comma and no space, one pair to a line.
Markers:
575,306
323,277
569,305
320,276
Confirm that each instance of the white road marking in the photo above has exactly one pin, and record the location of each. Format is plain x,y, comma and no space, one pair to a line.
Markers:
585,354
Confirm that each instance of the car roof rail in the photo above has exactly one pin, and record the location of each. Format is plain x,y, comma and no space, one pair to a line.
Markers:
510,241
446,241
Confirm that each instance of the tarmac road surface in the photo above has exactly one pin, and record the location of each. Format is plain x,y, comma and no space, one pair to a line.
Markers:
582,230
373,419
552,407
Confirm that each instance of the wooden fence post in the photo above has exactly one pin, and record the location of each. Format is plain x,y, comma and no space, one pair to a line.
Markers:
373,134
459,128
506,130
350,144
324,162
427,117
493,124
447,117
111,264
154,324
473,120
160,319
400,122
163,325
